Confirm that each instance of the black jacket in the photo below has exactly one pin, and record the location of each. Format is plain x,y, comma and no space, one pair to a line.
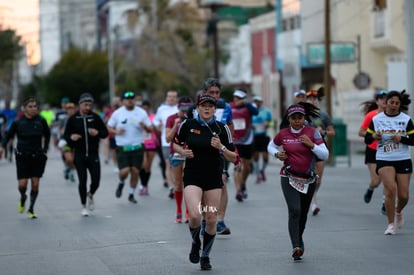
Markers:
79,124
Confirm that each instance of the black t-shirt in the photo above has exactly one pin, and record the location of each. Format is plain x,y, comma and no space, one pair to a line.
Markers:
196,135
29,132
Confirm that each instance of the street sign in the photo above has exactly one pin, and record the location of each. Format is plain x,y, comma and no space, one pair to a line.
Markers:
362,80
340,52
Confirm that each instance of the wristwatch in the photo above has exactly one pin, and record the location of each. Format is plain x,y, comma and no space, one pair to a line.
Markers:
223,148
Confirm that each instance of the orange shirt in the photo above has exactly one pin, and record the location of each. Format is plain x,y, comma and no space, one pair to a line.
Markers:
365,124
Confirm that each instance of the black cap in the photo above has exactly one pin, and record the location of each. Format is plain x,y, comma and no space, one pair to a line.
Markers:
206,98
86,97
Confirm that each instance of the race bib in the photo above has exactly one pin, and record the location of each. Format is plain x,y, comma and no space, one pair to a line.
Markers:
239,124
391,147
299,184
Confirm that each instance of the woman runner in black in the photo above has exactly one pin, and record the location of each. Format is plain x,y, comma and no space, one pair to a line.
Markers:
33,137
205,143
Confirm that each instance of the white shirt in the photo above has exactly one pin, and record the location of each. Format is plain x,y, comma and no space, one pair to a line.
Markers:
163,112
130,121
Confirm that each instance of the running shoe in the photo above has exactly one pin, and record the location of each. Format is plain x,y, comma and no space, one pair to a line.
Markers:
203,227
84,212
21,205
297,253
178,218
383,210
72,176
368,195
142,191
146,193
118,192
400,219
187,217
244,191
66,173
258,179
132,199
91,203
390,229
195,253
31,214
302,247
171,193
205,263
239,196
222,229
315,209
165,184
263,175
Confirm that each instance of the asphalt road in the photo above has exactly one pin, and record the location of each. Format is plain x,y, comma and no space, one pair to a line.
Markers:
122,238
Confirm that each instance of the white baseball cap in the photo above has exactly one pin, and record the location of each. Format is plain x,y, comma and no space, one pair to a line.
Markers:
299,92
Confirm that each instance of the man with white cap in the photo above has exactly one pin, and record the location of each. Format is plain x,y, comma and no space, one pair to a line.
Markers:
242,111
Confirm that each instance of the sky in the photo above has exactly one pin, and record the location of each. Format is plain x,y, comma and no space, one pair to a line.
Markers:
23,16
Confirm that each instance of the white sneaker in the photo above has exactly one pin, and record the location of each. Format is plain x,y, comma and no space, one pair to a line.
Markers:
84,212
390,229
399,219
91,204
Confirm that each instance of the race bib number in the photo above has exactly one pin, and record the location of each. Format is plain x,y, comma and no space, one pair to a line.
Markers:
239,124
391,147
299,184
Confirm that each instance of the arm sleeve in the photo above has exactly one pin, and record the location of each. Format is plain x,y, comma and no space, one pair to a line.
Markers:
272,148
409,139
321,151
368,139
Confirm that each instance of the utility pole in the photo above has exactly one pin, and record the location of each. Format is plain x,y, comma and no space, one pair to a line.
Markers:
409,24
327,72
212,30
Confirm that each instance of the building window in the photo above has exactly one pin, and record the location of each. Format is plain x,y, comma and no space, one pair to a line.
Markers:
285,25
379,24
380,5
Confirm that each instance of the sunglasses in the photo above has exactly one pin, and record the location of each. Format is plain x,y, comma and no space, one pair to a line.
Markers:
129,95
312,93
382,92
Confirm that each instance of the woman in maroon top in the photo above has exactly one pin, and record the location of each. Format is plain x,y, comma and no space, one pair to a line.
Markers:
298,146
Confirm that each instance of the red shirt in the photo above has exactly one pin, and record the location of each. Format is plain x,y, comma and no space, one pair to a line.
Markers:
170,124
365,124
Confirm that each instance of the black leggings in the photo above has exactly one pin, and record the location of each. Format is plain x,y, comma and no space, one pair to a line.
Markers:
298,206
83,164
